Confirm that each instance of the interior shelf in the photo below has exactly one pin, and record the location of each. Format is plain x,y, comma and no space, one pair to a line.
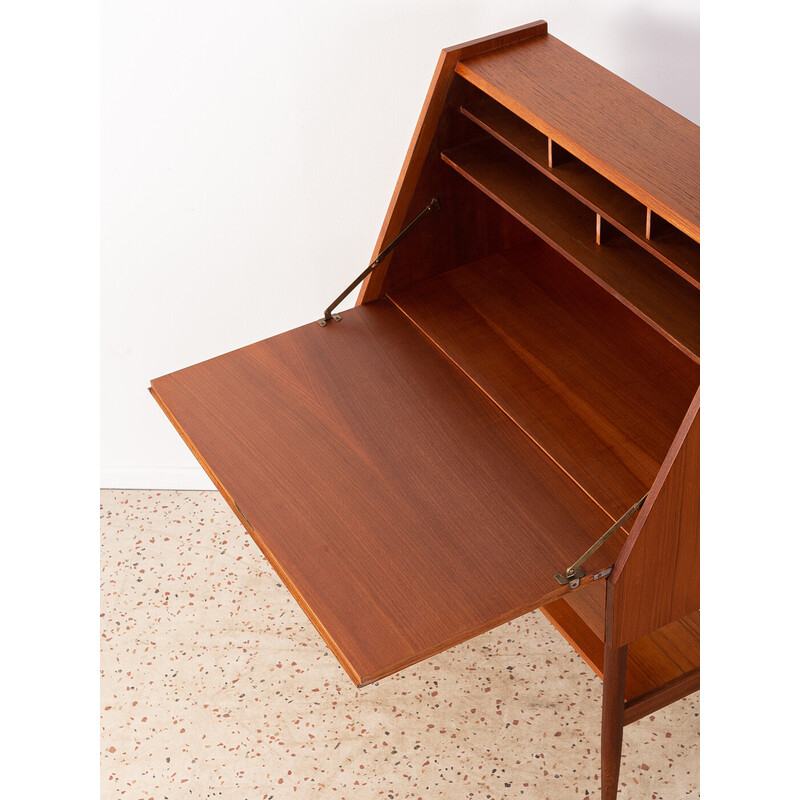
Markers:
639,280
668,656
594,386
670,245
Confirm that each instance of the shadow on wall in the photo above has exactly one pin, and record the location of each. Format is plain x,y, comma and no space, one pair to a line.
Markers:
673,76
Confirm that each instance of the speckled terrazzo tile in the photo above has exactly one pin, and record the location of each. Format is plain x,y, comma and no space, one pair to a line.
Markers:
214,685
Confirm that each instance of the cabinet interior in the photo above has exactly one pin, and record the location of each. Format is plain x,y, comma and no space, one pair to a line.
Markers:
575,308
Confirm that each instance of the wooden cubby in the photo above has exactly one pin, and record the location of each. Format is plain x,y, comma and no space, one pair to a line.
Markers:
645,284
519,371
677,250
552,348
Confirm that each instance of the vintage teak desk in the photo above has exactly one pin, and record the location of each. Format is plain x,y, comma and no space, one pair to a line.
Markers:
521,369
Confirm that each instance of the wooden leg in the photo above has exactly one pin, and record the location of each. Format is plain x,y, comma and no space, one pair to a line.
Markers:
614,666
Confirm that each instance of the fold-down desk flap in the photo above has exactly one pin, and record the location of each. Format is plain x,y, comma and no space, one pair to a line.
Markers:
402,508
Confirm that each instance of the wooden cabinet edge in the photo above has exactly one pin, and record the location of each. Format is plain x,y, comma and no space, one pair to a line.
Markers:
422,138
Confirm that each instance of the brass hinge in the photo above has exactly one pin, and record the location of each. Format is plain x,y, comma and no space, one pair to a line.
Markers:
572,575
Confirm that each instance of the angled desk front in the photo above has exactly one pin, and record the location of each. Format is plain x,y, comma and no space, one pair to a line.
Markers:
521,369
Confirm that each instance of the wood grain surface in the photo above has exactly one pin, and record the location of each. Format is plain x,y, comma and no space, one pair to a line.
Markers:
402,508
657,577
599,390
626,213
639,280
650,151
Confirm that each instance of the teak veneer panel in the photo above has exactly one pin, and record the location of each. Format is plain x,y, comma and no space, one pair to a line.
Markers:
671,246
402,508
598,389
639,280
657,577
645,148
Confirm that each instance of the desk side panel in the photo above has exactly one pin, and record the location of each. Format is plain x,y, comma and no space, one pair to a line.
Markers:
656,579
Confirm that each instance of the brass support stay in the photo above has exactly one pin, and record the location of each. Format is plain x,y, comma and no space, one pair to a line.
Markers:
572,575
434,205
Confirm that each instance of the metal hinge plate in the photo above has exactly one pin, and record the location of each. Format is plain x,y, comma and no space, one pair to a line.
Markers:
572,575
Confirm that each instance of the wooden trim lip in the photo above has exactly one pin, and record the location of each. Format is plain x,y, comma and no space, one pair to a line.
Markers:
494,41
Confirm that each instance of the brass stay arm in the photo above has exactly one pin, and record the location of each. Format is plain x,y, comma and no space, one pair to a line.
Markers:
572,575
327,316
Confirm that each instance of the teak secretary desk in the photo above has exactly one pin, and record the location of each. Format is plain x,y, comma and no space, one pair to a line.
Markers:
521,371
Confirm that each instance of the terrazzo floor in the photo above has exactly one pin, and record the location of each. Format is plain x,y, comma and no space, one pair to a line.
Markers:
215,685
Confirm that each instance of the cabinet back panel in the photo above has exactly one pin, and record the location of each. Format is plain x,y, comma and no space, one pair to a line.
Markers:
598,389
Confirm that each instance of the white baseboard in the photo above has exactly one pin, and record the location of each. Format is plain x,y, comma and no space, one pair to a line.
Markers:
154,478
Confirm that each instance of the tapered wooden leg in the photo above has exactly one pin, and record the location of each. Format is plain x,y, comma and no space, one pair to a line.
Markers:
614,666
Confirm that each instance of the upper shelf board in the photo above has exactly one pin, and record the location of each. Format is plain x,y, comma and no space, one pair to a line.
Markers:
627,214
647,149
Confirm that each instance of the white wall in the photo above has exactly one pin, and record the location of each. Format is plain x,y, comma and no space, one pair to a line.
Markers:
250,149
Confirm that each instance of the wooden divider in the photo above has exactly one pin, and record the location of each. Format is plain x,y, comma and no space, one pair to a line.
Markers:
644,284
616,206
